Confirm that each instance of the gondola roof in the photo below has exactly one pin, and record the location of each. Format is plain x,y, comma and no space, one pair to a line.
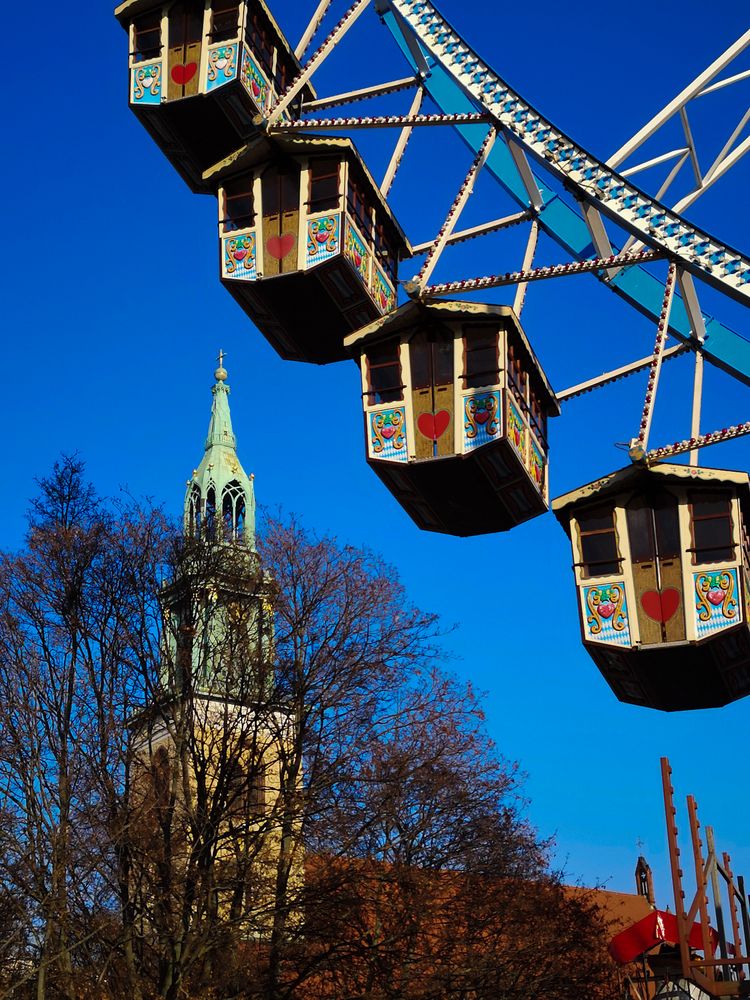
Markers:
261,146
410,314
635,477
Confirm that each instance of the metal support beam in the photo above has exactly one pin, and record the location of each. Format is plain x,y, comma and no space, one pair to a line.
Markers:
524,170
315,22
702,441
639,444
433,255
692,90
618,373
692,306
481,230
540,273
528,259
381,121
318,57
695,422
352,96
403,142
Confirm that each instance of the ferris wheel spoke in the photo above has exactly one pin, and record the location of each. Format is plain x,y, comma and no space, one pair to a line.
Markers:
401,144
316,60
381,121
481,230
541,273
639,444
364,94
441,241
608,378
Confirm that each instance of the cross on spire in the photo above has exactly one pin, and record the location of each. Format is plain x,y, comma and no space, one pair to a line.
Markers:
220,359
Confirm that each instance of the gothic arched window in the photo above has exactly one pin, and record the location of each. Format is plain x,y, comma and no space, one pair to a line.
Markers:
210,512
194,512
233,511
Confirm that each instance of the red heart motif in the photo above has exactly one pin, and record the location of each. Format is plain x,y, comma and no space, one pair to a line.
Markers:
716,596
183,74
279,246
660,606
388,432
482,416
239,254
255,87
433,425
606,608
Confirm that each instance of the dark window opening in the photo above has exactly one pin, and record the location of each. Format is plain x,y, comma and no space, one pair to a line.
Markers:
185,24
282,75
324,185
280,190
225,17
713,537
384,374
384,252
359,209
239,206
480,356
260,39
516,375
599,552
538,417
233,512
147,37
431,362
210,513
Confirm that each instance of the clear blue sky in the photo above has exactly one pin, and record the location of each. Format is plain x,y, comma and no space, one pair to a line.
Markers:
114,315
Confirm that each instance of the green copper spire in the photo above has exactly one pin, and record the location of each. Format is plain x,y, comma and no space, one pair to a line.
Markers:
220,500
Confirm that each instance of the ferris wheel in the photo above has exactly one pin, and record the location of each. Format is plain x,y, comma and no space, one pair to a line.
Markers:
455,400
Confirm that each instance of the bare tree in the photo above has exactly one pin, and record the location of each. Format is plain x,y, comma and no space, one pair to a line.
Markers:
238,774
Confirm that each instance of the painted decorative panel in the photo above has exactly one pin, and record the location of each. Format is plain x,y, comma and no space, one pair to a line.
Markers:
222,65
146,84
387,434
717,603
605,614
516,432
356,251
537,463
482,419
252,79
384,295
323,239
239,258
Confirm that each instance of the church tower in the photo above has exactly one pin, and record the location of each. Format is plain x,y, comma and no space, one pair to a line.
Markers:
208,753
218,609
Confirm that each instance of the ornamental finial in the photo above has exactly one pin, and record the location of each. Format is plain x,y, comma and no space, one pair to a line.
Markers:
221,373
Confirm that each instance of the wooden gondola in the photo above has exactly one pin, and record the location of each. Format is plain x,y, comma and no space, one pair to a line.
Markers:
308,246
661,567
201,71
456,407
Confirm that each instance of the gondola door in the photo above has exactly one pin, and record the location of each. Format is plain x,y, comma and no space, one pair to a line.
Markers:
655,552
185,38
432,380
281,194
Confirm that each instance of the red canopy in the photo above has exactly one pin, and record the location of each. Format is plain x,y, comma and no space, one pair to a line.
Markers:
657,928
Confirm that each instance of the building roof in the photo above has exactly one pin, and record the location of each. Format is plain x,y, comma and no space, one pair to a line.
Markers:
409,314
618,910
637,476
260,147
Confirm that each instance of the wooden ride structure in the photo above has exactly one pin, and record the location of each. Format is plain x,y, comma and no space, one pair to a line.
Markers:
681,955
455,401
